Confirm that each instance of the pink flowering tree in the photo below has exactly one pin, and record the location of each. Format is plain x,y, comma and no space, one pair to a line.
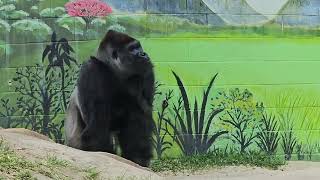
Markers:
88,9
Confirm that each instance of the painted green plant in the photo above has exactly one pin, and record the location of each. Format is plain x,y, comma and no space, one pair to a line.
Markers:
30,30
268,136
8,117
241,115
300,151
59,55
37,98
38,101
160,143
9,9
191,127
286,110
289,142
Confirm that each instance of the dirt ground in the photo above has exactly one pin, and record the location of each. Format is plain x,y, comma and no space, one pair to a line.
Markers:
293,171
34,146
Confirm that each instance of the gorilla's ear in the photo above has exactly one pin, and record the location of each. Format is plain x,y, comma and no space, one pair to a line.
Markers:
110,44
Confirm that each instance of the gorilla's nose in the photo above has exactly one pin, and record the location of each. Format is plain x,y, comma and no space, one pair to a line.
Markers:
142,54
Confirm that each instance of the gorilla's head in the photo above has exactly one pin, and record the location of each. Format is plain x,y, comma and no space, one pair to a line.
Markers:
124,54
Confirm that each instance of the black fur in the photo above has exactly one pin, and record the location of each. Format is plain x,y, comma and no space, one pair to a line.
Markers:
114,94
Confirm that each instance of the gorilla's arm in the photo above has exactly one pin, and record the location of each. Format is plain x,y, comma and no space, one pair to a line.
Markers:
142,87
94,99
148,88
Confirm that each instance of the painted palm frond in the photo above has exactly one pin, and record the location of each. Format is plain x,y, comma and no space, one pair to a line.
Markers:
192,131
58,54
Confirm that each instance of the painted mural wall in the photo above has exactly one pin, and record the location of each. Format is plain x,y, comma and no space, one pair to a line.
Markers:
232,75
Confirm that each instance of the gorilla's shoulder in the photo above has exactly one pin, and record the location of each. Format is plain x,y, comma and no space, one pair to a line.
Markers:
94,64
93,61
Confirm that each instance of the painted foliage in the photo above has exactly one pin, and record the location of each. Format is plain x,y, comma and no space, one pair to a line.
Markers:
232,75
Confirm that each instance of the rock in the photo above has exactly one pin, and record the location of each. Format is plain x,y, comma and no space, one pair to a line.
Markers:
33,146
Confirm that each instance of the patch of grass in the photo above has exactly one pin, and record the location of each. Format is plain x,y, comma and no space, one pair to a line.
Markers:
216,159
11,164
56,162
91,174
25,175
16,167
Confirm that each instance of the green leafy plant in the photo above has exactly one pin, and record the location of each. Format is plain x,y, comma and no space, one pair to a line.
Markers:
7,116
59,54
300,153
38,100
268,135
286,115
288,143
161,130
192,132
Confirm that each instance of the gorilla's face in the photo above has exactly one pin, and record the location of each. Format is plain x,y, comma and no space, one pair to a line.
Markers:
133,58
125,54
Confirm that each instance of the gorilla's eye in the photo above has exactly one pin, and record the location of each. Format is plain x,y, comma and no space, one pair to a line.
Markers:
115,55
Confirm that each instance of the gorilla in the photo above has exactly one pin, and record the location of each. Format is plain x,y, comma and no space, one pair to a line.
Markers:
113,97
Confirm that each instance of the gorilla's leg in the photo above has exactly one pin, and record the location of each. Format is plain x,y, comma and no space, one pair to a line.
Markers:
135,139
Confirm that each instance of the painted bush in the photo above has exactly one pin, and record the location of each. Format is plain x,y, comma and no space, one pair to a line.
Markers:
264,98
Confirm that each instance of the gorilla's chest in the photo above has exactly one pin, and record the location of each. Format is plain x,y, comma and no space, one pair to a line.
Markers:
122,106
125,101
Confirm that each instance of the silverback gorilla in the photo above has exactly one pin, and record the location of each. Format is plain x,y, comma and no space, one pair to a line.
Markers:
114,97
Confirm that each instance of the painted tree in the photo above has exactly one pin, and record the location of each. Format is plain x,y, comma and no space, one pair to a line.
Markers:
88,9
38,98
241,113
